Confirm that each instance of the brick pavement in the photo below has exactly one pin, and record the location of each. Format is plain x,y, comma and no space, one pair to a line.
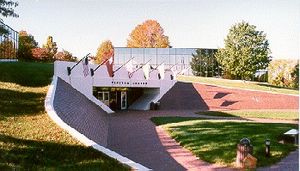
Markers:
197,96
131,133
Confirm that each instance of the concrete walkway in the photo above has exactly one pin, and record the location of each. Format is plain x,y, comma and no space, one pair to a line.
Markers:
290,163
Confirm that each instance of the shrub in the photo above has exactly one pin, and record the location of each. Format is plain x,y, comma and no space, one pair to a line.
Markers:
284,73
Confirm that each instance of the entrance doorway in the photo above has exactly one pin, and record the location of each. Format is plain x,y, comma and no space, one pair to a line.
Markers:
104,97
123,100
117,98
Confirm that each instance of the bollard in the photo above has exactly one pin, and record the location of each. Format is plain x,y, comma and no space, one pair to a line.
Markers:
243,149
268,144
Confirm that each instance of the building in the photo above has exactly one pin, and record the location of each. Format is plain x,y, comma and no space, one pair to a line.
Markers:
154,72
9,42
180,57
120,92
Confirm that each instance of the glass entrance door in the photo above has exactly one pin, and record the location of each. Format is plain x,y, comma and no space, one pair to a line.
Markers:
104,97
123,100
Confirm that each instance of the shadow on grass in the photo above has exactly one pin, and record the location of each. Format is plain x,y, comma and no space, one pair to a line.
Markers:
14,103
217,113
30,74
217,141
32,154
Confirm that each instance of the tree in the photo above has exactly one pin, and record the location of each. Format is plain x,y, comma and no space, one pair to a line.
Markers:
246,51
40,54
148,35
64,56
26,44
105,51
7,49
284,73
204,63
50,47
7,10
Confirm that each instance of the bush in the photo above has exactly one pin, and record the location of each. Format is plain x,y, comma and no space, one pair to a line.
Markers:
284,73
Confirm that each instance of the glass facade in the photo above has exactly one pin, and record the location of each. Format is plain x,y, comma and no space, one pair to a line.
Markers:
8,42
181,57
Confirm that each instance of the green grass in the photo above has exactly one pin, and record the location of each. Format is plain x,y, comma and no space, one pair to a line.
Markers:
268,114
29,139
239,84
216,141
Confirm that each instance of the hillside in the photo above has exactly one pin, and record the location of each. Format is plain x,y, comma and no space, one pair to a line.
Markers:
28,137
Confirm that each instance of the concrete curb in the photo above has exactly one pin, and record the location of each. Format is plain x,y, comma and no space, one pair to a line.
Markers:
80,137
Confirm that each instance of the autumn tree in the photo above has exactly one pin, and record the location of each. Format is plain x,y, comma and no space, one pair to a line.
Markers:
7,10
26,44
246,51
40,54
105,51
64,56
7,49
50,47
148,35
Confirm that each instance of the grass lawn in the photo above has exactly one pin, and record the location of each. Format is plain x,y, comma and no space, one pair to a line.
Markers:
275,114
28,138
216,141
239,84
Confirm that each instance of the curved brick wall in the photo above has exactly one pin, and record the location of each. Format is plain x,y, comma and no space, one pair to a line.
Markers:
80,113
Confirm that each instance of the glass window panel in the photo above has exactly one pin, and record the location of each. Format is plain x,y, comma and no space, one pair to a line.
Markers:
100,95
163,51
106,96
138,58
150,51
137,50
172,51
162,59
152,57
172,59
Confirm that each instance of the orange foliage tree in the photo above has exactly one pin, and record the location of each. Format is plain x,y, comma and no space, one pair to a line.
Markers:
148,35
105,51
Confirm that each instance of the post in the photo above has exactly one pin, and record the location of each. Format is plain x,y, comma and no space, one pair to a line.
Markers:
243,149
268,143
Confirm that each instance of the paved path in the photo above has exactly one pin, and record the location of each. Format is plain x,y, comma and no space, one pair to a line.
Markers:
132,134
290,163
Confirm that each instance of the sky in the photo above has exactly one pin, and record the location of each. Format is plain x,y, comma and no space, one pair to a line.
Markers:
80,26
